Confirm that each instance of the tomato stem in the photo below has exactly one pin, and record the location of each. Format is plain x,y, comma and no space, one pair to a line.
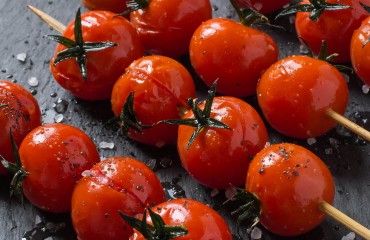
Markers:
315,8
77,48
134,5
159,230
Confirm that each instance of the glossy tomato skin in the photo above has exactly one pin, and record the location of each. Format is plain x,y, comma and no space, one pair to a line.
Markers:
234,54
161,86
263,6
295,93
290,182
118,183
360,55
104,66
19,115
335,27
201,221
165,27
220,157
116,6
55,155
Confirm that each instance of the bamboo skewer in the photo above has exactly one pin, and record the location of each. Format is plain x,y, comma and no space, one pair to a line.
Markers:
52,22
345,220
324,206
349,124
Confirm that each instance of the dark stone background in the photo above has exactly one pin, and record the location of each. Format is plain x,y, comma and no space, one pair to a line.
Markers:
22,32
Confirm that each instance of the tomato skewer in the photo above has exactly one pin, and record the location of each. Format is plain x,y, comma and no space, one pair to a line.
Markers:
52,22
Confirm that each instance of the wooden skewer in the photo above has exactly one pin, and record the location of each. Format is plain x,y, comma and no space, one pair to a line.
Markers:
52,22
345,220
349,124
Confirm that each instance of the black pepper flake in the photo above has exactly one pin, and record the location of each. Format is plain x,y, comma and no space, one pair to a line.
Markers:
261,170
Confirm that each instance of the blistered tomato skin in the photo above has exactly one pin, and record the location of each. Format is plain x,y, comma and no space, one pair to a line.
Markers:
161,86
201,221
19,114
116,6
335,27
165,27
234,54
54,156
118,183
290,182
296,92
263,6
220,157
104,66
360,54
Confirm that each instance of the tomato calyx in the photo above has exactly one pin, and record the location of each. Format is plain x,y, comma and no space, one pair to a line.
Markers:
135,5
78,49
202,118
249,16
159,230
16,187
323,55
249,210
315,8
127,117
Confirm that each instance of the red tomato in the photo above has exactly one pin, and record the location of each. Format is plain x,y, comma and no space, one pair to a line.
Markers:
118,183
162,86
165,27
335,27
103,67
360,54
116,6
295,93
263,6
220,157
234,54
290,183
19,114
201,221
54,156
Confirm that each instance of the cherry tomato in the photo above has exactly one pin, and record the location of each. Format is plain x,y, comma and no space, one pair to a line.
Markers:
220,157
54,156
118,183
360,54
290,183
263,6
165,27
19,114
104,66
161,86
296,92
201,221
116,6
234,54
335,27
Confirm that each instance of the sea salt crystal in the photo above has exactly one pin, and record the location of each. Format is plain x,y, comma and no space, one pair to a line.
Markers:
106,145
33,82
21,57
59,118
365,89
303,50
328,151
349,236
152,163
230,192
256,233
214,192
311,141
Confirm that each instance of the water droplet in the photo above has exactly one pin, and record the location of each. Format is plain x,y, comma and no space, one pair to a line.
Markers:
33,82
173,190
53,94
59,118
60,106
33,91
106,145
21,57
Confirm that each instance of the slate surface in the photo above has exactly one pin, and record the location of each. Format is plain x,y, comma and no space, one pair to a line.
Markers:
22,32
